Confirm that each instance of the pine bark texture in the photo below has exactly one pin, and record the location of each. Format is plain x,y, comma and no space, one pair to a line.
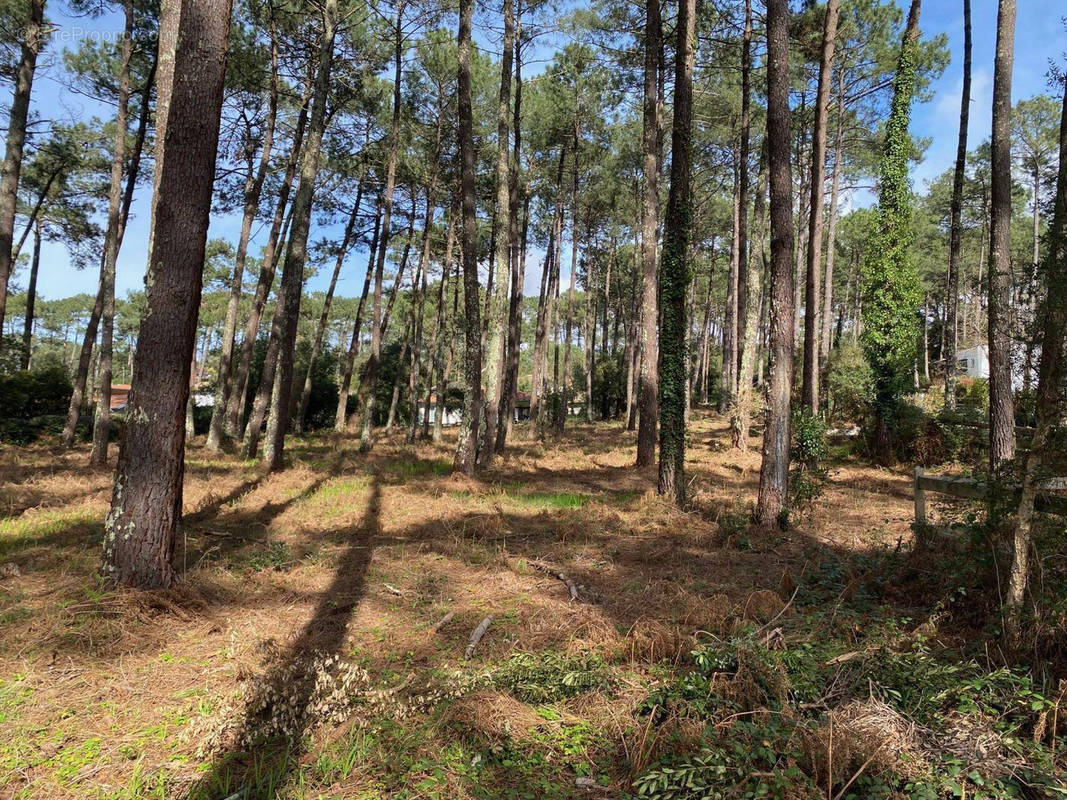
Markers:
774,470
146,504
467,441
1001,405
296,255
956,219
648,390
809,393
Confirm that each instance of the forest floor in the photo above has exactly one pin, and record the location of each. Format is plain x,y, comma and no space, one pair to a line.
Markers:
315,646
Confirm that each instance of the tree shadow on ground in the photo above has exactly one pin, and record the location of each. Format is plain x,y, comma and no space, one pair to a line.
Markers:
253,766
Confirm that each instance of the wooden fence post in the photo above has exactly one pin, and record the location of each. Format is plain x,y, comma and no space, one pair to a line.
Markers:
920,500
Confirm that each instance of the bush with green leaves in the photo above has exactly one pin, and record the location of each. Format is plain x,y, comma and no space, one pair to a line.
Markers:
33,403
748,760
849,383
34,393
548,677
808,474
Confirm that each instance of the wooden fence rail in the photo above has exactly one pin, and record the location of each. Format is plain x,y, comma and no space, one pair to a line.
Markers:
971,489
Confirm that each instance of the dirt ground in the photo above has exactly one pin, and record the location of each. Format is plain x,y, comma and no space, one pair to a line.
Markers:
329,607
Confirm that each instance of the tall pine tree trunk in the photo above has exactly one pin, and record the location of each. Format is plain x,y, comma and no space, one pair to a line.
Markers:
146,505
296,251
367,395
743,289
89,340
809,394
728,376
373,362
324,317
278,235
648,392
415,363
1001,405
774,471
565,389
467,442
437,364
252,194
31,296
831,229
545,307
102,415
497,321
340,420
518,197
675,269
1049,385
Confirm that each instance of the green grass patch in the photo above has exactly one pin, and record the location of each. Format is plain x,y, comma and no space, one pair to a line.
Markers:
47,527
558,500
422,466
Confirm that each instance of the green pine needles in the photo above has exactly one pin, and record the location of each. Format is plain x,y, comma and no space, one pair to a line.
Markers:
891,293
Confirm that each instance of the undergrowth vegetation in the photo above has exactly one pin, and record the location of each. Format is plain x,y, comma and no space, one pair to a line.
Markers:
316,646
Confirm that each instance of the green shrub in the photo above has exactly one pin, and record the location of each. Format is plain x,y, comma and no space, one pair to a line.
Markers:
34,393
849,383
17,431
751,759
808,475
973,392
547,677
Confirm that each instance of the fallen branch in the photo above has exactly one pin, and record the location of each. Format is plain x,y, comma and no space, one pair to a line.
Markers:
476,637
447,618
555,572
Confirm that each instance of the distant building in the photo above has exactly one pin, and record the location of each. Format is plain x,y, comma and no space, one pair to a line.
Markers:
120,396
522,406
973,362
450,417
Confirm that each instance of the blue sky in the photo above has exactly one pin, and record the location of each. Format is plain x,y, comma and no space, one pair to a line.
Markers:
1040,36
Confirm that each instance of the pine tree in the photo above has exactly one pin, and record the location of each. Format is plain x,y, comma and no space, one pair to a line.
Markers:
674,274
774,470
146,504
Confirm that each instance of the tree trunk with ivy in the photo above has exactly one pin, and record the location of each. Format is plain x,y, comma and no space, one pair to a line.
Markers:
891,292
674,271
